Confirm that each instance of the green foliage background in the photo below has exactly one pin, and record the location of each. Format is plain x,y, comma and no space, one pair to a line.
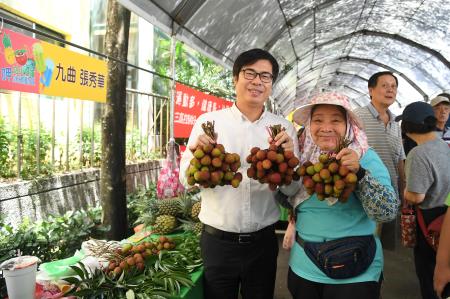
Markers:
191,67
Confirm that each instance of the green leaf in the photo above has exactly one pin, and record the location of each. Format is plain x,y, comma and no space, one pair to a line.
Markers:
79,272
72,280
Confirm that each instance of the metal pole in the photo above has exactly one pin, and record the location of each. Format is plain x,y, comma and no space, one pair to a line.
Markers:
19,136
67,134
93,134
173,83
161,114
38,137
81,135
148,123
140,122
53,133
132,156
154,123
168,126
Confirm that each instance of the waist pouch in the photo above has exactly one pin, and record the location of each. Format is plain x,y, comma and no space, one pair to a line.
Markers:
342,258
430,222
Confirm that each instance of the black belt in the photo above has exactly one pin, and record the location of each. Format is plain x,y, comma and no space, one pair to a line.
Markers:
299,240
241,238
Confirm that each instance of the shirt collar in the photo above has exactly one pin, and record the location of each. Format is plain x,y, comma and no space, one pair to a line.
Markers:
238,114
376,114
446,128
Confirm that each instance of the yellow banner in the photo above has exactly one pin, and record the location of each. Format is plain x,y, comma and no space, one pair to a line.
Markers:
75,75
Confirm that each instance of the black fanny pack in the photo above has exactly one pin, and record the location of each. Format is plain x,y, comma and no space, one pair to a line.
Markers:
341,258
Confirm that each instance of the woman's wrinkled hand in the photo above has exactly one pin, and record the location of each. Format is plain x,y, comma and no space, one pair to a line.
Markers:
289,235
349,158
284,140
202,140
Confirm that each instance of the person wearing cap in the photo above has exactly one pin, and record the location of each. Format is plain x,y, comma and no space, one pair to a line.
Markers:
442,269
427,183
327,119
384,136
441,107
238,244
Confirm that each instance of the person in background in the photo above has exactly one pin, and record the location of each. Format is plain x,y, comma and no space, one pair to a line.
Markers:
384,136
444,94
427,183
238,244
442,269
441,108
328,119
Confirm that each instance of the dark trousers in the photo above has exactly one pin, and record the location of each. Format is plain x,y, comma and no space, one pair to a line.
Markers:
301,288
425,256
230,266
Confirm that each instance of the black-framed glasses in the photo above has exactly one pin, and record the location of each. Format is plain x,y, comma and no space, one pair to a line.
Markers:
251,74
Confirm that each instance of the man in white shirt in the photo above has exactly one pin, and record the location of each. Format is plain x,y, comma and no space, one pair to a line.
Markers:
238,243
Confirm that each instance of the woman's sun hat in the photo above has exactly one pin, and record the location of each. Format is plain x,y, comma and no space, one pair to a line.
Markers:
302,114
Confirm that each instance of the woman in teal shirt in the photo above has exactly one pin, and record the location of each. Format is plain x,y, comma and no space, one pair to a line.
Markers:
328,118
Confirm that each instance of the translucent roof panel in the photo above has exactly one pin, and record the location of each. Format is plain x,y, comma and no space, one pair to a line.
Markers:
285,89
303,37
320,44
233,25
337,19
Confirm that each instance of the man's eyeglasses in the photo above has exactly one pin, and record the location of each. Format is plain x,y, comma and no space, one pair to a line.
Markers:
251,74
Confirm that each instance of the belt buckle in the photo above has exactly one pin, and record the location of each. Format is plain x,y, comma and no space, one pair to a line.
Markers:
245,239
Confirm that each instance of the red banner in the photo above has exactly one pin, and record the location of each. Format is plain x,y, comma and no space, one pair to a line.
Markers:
31,65
190,104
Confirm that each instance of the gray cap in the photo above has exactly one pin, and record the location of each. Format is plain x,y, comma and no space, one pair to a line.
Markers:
439,99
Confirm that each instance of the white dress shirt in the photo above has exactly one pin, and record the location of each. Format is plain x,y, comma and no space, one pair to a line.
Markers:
251,206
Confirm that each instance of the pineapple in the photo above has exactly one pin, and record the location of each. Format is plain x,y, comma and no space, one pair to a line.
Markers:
195,211
188,201
170,207
198,226
191,226
164,224
146,206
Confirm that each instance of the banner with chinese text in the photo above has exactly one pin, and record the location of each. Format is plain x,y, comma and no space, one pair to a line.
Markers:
35,66
190,104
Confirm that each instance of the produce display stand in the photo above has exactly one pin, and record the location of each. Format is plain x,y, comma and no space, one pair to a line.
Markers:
195,292
61,268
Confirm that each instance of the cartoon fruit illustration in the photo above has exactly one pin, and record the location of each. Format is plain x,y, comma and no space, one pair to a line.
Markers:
38,54
6,41
8,52
21,56
46,77
9,56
